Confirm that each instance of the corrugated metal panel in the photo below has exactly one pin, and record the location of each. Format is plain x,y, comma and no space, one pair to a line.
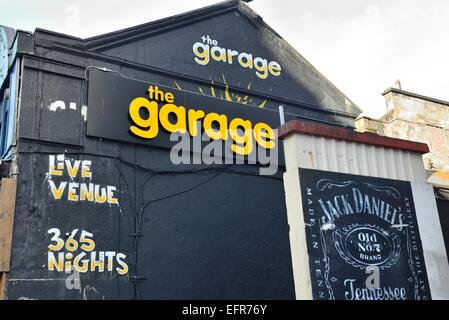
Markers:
354,158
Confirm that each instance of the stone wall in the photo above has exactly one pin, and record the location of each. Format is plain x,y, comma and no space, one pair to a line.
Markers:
417,118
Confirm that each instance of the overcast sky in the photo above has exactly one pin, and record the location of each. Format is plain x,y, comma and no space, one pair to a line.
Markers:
362,46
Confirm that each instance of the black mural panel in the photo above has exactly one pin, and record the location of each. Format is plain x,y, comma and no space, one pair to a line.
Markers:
49,207
215,242
201,244
174,50
52,106
362,237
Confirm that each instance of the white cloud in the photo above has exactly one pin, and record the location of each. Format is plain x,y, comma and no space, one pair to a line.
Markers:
364,50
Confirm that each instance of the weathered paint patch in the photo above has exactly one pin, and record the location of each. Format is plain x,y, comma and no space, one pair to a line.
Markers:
61,105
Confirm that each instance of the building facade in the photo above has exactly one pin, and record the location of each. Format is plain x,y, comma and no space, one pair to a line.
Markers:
135,224
98,202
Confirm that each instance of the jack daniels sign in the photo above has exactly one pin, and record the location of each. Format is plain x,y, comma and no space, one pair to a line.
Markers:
362,238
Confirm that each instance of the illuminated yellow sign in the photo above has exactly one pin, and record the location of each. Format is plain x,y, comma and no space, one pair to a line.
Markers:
158,109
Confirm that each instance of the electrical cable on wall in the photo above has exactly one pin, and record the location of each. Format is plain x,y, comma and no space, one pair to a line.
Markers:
149,173
331,111
138,216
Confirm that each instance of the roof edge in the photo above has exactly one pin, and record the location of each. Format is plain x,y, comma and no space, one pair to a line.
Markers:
57,34
253,16
338,133
114,36
415,95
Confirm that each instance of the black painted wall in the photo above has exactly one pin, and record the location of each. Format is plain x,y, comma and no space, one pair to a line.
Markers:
226,238
219,241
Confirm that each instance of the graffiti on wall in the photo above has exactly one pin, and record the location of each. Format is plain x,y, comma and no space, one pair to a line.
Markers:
78,253
74,189
60,105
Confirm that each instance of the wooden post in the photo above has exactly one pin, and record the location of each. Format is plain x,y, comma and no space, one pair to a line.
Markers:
7,206
8,190
2,285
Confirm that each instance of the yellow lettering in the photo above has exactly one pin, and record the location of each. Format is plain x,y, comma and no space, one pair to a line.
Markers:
245,139
263,134
72,170
97,264
249,60
231,53
110,258
68,262
111,198
100,198
57,192
202,56
194,116
150,123
123,267
52,171
87,192
53,263
51,167
180,112
84,267
222,120
275,68
261,66
85,169
175,118
204,53
72,192
169,97
221,54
